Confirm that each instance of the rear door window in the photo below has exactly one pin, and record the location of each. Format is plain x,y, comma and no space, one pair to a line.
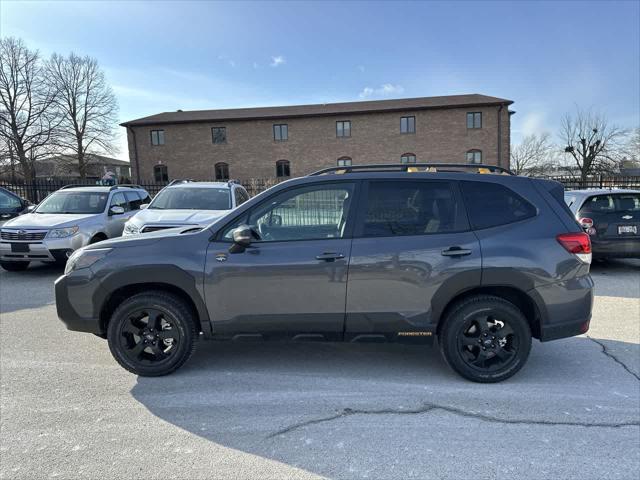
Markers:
492,204
410,208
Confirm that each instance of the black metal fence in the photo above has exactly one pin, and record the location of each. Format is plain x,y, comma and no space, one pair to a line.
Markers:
36,191
599,181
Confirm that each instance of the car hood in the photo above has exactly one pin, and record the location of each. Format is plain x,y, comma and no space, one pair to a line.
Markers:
186,217
46,220
146,239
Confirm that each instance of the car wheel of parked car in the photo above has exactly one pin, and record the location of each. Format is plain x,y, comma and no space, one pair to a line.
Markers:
152,333
485,339
14,266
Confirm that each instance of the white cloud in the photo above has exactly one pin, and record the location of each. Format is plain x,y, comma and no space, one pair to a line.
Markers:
277,61
384,90
533,122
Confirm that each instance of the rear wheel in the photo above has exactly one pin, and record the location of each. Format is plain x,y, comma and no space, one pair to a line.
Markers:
14,266
152,334
485,339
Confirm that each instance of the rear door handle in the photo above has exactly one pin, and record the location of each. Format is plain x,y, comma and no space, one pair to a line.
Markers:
329,256
455,252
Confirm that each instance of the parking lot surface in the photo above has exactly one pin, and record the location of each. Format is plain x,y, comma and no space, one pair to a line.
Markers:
252,410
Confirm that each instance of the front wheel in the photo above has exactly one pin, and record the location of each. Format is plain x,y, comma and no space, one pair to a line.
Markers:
14,266
152,334
485,339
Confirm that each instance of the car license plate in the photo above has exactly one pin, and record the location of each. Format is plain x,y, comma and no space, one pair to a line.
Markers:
19,247
622,229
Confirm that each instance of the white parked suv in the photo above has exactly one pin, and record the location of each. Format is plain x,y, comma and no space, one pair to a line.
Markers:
68,219
185,203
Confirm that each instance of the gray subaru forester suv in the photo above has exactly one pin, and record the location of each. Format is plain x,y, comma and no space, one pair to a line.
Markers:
398,253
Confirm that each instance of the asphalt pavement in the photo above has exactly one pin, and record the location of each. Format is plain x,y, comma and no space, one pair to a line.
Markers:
253,410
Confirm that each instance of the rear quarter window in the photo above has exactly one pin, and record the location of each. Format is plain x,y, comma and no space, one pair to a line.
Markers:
492,204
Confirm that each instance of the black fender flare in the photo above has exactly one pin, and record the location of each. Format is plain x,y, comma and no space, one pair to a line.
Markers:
169,275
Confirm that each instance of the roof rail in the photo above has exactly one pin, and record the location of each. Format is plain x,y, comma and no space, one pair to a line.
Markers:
125,185
184,180
414,167
76,185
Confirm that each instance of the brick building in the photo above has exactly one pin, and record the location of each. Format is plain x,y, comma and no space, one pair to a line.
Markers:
296,140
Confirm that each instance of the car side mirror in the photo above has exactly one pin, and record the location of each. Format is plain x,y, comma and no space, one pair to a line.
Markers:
241,239
116,210
31,208
143,206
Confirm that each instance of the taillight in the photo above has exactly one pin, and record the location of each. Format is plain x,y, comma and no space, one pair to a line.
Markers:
586,222
577,243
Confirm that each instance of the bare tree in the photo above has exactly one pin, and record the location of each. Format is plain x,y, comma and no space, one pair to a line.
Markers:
87,105
27,120
533,156
594,146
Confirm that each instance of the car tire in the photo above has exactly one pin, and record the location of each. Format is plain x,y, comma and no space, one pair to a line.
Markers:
152,333
485,339
14,266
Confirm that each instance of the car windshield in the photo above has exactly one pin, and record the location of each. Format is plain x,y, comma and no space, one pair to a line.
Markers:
74,202
193,199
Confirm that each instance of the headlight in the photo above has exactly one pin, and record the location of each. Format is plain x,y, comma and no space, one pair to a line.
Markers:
85,258
131,229
63,232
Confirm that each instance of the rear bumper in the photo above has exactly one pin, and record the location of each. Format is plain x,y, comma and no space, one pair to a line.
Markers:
616,248
566,308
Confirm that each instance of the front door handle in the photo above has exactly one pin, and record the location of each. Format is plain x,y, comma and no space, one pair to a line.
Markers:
455,252
329,256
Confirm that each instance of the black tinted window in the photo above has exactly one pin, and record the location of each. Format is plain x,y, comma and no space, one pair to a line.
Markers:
612,203
409,208
491,204
134,200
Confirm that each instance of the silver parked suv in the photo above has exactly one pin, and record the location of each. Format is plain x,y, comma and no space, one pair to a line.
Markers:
68,219
185,203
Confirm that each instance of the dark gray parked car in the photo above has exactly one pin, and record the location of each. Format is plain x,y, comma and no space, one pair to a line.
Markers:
399,253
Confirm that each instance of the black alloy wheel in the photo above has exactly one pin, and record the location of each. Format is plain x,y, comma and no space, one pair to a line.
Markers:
485,338
152,333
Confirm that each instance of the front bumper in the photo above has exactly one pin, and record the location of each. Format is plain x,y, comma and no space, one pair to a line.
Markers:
616,248
45,250
75,296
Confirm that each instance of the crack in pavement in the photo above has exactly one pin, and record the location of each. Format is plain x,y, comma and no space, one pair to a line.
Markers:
606,351
430,407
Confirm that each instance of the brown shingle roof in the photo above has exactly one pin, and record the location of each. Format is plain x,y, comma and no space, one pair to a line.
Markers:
292,111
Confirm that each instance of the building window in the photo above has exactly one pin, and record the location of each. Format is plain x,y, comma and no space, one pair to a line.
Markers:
157,137
408,158
281,132
344,162
222,171
161,173
219,134
474,120
474,156
343,128
407,124
283,168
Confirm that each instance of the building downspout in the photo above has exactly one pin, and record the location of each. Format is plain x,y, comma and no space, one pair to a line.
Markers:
135,153
500,135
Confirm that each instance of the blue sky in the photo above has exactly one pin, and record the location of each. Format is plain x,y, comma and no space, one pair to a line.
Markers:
159,56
